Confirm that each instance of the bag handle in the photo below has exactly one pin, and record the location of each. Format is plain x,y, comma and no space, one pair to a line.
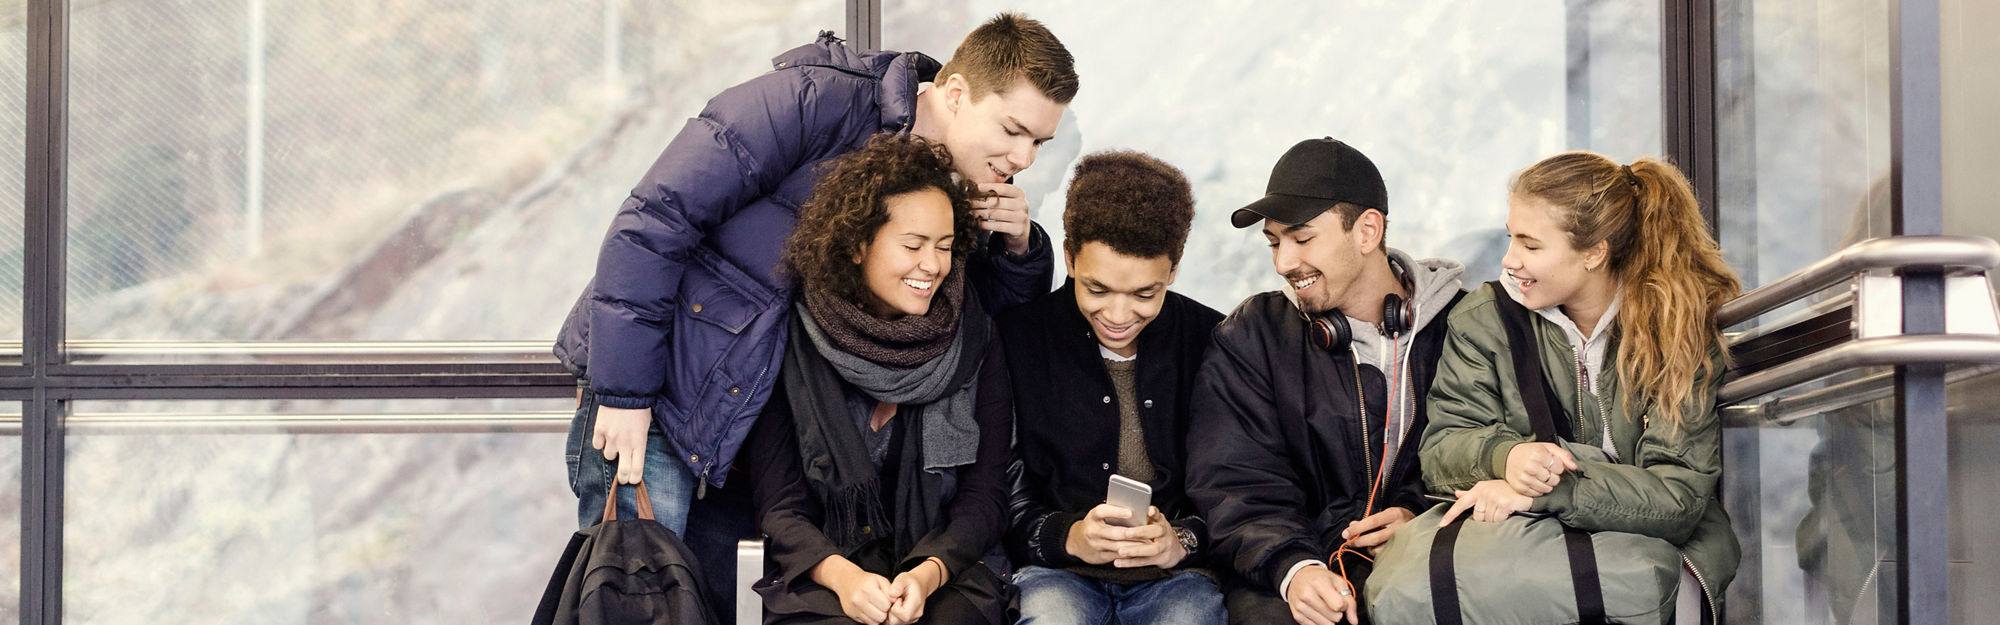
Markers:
645,502
1535,396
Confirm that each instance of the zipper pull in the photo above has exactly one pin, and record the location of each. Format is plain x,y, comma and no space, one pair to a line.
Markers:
701,487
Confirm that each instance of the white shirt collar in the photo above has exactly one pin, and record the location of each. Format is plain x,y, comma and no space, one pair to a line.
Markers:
1113,356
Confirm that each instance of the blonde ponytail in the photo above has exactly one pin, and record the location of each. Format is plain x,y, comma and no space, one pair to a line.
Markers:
1671,271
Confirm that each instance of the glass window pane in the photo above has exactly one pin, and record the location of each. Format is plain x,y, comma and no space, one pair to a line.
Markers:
1803,155
1802,131
1448,98
10,512
247,169
1972,412
1811,488
1812,476
13,169
1970,85
290,512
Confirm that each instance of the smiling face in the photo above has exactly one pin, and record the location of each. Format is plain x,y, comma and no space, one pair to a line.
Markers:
991,138
909,257
1549,271
1319,259
1119,294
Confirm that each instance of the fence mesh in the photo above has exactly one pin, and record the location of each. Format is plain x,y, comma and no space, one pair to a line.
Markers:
360,103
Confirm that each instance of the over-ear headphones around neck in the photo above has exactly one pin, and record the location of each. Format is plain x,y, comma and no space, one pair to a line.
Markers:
1330,331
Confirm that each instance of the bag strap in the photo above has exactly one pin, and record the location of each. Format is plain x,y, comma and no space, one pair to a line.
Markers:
1527,357
1583,575
1444,577
645,502
1535,396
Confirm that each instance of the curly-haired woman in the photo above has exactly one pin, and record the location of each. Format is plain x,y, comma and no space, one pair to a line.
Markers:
879,463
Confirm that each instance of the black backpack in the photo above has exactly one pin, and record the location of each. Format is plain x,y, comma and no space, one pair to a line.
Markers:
625,573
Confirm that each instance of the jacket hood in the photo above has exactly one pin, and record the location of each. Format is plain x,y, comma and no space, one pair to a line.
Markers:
900,73
1433,282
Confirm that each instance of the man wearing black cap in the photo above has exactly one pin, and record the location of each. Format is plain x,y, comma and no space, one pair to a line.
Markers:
1311,395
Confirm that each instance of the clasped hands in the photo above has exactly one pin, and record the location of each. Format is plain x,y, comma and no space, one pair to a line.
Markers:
1533,470
871,599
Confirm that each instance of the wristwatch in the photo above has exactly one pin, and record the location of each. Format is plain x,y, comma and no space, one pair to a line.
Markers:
1189,542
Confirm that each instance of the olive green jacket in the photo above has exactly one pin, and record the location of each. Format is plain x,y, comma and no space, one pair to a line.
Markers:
1663,484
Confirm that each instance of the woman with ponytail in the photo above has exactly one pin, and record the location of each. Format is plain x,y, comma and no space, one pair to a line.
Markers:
1624,282
879,465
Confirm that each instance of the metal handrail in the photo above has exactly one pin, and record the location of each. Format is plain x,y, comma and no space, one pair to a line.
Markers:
399,349
101,424
1949,251
1789,409
375,351
1876,352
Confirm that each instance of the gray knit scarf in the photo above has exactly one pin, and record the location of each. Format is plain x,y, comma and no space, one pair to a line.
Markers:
951,435
936,403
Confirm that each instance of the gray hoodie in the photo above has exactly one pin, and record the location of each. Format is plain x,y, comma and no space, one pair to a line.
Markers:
1433,282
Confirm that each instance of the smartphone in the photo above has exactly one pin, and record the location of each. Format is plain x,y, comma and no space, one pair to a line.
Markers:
1129,494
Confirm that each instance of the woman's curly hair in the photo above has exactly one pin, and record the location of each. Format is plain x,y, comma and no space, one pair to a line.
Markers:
850,205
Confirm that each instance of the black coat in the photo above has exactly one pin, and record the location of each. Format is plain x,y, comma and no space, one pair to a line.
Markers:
1282,469
790,513
1067,424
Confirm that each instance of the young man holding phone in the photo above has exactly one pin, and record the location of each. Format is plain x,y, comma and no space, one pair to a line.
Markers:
1102,369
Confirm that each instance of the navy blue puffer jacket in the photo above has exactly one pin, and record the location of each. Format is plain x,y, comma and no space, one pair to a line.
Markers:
687,313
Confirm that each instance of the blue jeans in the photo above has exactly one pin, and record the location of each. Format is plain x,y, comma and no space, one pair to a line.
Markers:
668,482
1057,597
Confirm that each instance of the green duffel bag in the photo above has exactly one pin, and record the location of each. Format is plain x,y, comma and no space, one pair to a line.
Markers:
1518,571
1527,568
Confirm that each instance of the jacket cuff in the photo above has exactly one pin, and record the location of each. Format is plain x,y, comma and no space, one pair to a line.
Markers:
797,569
1194,525
1048,543
1281,565
623,401
1285,585
1558,500
1417,508
1497,457
1038,247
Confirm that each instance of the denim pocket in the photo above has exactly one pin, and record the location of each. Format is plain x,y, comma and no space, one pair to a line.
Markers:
579,435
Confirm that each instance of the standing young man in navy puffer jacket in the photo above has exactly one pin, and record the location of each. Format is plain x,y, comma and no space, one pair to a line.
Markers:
676,341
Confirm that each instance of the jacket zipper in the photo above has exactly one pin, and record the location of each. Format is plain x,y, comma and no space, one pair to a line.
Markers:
1603,418
1389,456
1714,611
707,468
1361,401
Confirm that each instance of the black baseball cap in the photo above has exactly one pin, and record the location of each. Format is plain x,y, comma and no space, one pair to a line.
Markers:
1310,178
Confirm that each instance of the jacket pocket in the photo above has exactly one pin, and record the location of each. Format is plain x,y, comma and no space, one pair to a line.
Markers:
715,292
716,328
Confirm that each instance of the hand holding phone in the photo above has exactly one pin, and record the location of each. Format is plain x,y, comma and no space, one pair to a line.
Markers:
1132,495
